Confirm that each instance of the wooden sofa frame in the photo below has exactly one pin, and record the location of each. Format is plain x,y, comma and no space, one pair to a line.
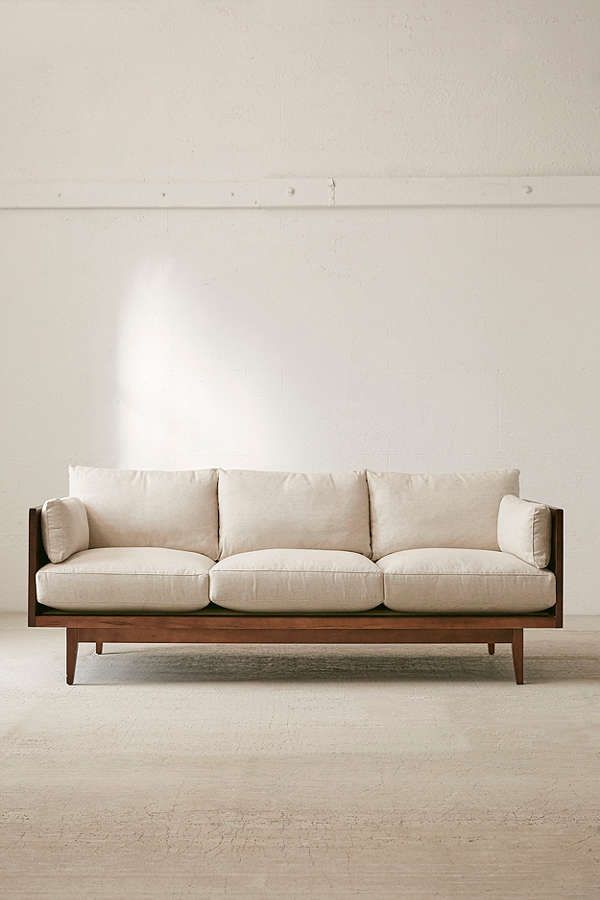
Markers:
219,626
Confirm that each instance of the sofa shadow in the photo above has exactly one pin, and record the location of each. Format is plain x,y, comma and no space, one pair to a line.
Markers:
180,665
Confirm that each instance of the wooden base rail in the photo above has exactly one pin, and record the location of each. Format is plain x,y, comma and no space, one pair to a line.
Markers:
318,634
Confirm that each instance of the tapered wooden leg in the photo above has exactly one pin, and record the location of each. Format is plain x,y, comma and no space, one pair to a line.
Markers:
72,646
491,649
517,654
98,647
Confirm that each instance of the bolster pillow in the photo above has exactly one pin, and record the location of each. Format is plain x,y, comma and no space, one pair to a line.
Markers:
524,530
65,528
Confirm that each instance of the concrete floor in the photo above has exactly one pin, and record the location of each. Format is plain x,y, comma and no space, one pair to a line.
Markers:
300,772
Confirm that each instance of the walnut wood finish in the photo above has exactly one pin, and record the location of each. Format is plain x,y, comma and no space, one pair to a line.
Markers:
557,560
37,559
213,625
380,619
245,633
72,647
517,654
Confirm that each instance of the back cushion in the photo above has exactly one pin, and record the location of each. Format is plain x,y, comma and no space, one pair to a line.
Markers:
263,510
128,508
411,511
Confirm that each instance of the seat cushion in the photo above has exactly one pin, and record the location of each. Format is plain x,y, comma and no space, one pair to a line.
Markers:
410,511
129,508
124,579
464,581
296,580
260,510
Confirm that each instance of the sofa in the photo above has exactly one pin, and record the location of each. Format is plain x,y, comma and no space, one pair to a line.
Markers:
230,556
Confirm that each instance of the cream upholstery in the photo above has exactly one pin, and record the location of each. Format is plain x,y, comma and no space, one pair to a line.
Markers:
411,511
64,528
260,510
295,542
296,580
464,581
123,579
524,529
149,509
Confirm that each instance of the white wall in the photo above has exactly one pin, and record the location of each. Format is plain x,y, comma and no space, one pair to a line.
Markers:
394,338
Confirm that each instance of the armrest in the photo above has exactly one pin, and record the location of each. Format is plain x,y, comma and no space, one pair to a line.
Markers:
524,529
65,528
557,558
37,559
555,545
57,529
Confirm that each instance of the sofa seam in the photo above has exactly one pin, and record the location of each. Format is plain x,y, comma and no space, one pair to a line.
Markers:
298,572
309,572
135,574
463,574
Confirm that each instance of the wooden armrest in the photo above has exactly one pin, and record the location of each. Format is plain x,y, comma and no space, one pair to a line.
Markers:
556,563
37,559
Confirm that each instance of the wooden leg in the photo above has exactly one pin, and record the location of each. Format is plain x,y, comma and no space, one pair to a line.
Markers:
491,649
72,646
98,647
517,654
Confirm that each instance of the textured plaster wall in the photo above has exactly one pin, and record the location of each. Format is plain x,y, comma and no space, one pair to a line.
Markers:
125,89
392,338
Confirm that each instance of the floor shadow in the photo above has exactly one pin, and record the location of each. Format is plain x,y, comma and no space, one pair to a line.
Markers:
210,665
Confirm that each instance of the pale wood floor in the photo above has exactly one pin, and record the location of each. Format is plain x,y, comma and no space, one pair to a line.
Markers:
300,772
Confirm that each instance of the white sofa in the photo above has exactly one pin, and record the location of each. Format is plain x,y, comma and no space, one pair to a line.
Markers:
137,544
